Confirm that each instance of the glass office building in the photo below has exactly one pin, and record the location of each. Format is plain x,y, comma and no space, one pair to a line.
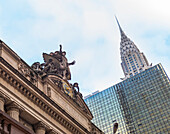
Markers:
140,104
106,110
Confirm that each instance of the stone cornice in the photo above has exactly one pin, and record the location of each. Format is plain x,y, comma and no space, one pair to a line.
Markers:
37,100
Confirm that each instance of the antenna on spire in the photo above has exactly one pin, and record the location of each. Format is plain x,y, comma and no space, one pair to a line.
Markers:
121,31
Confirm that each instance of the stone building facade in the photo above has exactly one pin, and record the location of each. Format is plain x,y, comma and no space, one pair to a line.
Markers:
39,99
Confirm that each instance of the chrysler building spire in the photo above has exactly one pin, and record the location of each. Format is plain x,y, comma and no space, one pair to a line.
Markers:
133,61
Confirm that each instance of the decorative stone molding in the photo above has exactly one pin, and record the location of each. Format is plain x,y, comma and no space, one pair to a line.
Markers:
23,69
40,103
28,73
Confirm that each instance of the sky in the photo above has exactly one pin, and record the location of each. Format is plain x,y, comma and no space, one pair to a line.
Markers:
88,31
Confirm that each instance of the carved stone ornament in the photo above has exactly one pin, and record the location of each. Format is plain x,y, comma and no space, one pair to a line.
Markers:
27,72
23,69
54,63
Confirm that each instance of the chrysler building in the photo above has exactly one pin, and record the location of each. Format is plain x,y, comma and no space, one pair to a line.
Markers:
133,61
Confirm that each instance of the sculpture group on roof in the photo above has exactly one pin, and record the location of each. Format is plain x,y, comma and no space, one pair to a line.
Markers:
54,63
57,65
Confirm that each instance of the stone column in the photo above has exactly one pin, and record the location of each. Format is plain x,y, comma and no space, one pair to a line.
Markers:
13,110
40,128
2,102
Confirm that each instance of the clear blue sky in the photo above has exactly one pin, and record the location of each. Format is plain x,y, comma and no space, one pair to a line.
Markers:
89,34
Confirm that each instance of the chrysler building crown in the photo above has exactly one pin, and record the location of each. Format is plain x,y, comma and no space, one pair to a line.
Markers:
133,61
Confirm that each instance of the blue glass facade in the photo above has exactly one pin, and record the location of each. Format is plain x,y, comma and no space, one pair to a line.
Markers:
139,104
106,110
